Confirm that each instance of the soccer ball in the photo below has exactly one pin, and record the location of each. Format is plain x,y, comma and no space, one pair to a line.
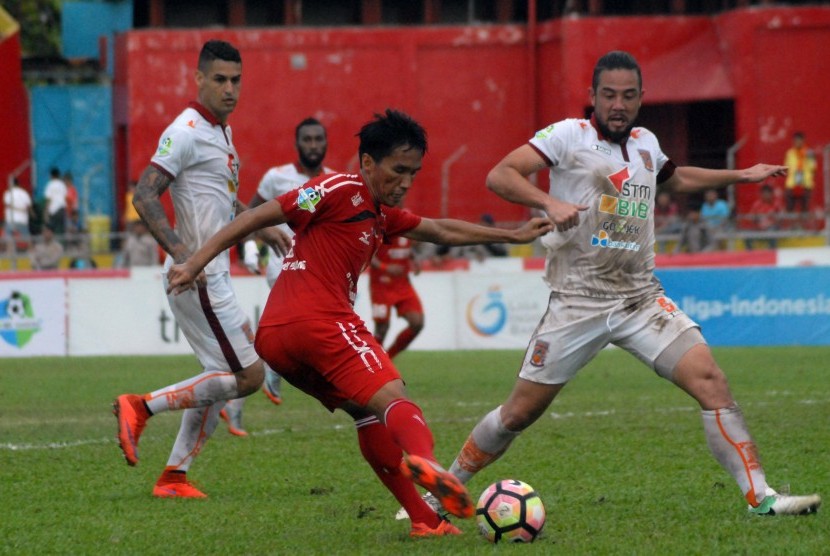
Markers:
510,510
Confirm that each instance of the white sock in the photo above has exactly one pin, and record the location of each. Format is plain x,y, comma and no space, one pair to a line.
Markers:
203,389
488,441
733,447
198,424
234,406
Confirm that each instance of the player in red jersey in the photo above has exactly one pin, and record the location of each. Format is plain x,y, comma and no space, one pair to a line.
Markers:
390,287
309,332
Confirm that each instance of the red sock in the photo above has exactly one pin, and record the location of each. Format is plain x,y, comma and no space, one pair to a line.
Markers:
385,457
401,342
408,428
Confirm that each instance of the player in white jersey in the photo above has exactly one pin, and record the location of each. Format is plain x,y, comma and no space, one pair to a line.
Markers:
311,143
600,260
197,161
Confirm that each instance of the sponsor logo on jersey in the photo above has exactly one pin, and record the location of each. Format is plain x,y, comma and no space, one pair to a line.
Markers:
233,166
365,238
601,149
539,354
544,133
601,239
165,146
294,265
620,226
307,199
646,156
357,199
617,179
623,207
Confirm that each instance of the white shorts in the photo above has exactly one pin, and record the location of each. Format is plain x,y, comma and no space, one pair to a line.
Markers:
575,328
214,324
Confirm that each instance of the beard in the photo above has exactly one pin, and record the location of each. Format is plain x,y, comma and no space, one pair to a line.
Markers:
314,162
614,136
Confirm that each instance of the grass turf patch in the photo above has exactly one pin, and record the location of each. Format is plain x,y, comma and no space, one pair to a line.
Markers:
619,460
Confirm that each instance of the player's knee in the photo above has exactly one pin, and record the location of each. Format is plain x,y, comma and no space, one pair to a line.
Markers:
517,418
249,380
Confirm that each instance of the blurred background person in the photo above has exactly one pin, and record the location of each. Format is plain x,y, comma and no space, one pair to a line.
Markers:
766,213
667,218
695,235
390,288
46,253
715,212
17,211
55,197
140,248
801,169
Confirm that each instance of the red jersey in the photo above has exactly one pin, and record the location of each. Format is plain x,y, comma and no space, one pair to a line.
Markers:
397,252
338,227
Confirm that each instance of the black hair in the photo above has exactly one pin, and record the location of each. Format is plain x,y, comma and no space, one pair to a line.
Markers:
54,172
218,50
388,131
616,59
307,121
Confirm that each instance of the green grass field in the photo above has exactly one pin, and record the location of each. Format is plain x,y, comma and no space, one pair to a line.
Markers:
619,459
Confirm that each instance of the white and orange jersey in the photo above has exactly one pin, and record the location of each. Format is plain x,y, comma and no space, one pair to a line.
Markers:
275,182
611,253
282,179
197,153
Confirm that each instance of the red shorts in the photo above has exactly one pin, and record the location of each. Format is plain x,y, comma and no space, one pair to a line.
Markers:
403,299
333,361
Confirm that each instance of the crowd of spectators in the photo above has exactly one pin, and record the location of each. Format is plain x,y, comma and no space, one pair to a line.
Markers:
49,230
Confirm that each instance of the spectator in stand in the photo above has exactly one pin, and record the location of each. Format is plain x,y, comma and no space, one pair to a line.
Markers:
801,169
715,212
666,218
766,213
55,195
695,236
140,248
47,252
18,209
73,225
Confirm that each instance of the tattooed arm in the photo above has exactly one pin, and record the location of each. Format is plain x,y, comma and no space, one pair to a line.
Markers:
147,201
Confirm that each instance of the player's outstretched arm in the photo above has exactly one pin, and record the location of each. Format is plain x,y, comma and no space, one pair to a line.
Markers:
689,179
180,277
448,231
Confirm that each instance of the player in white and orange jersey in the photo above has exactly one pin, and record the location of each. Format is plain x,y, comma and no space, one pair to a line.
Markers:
605,174
197,161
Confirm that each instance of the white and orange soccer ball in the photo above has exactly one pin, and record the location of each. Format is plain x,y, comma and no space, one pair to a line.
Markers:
510,511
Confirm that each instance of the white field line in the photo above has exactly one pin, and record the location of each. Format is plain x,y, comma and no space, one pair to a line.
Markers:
23,447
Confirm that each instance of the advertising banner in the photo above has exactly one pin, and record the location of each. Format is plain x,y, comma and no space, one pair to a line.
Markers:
498,311
32,317
755,307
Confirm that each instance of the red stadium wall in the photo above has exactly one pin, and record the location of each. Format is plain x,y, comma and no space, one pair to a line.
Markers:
14,133
479,91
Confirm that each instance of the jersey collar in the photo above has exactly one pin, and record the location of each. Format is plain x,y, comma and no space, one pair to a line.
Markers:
204,112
